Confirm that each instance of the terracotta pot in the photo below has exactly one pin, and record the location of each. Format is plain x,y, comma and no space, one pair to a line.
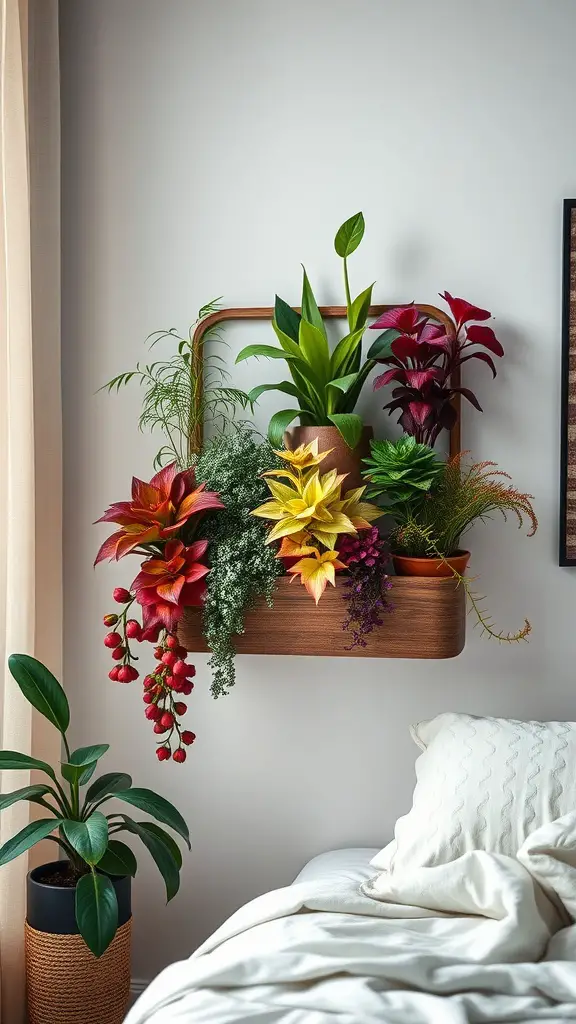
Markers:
344,459
405,565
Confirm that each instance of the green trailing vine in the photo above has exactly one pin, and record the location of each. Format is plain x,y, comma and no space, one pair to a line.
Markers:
243,567
170,403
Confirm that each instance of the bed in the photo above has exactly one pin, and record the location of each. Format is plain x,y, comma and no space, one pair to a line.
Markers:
481,934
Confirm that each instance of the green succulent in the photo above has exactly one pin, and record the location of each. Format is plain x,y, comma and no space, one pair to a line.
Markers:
401,471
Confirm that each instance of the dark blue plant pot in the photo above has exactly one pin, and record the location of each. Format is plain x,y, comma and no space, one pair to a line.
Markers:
51,908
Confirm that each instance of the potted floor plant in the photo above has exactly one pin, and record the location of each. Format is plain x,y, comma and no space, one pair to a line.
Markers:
325,383
78,925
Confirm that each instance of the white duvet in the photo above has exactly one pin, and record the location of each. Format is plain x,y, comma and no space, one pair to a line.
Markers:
486,939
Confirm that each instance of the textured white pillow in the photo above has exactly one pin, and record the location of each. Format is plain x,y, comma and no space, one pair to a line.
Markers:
482,784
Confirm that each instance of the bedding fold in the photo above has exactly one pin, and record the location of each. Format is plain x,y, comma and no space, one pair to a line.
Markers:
487,938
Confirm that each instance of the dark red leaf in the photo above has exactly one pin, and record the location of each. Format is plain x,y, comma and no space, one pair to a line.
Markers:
420,412
418,378
470,396
433,334
480,355
406,347
485,336
463,311
385,378
402,318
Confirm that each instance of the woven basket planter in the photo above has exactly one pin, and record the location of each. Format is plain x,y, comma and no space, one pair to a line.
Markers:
66,983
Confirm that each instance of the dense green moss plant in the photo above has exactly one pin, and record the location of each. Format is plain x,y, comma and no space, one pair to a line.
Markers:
243,567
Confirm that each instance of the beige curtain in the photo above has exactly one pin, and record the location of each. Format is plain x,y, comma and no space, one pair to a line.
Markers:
30,442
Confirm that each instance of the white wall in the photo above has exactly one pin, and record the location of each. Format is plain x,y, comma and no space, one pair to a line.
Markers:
208,148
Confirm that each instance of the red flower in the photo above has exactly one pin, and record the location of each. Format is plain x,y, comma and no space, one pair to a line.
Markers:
164,586
157,510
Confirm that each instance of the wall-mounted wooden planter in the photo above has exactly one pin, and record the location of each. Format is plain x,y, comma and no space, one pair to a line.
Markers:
428,621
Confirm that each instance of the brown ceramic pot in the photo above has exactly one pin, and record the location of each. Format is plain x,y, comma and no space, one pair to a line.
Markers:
405,565
344,459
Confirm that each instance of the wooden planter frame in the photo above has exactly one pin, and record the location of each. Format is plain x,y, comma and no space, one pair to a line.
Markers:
429,616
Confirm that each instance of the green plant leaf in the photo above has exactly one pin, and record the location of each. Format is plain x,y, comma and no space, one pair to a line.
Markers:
161,853
32,793
343,354
87,774
118,860
310,311
314,349
157,807
285,386
74,772
344,383
360,307
278,424
287,319
349,236
89,838
108,785
165,838
86,755
267,351
287,342
352,396
41,689
11,760
349,425
382,347
96,911
27,837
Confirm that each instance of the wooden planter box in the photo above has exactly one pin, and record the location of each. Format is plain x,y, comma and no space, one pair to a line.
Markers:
428,621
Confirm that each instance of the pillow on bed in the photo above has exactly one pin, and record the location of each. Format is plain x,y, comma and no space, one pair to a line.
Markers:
482,784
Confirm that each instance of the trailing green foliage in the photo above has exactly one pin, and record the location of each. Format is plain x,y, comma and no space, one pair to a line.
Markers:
175,402
325,384
243,566
401,471
84,831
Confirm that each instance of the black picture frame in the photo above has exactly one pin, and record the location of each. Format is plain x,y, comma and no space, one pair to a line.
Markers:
567,552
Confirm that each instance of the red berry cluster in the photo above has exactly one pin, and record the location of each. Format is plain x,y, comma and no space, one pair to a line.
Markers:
172,675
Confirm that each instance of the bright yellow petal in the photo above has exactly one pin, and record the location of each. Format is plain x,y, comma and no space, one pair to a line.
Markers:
284,529
314,575
366,510
327,539
269,510
285,474
354,495
281,492
295,546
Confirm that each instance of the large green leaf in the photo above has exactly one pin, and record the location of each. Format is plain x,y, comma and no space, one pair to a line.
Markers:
161,853
157,807
89,838
12,760
287,319
349,236
87,774
344,383
41,689
118,859
353,394
27,837
107,785
382,347
73,773
96,911
349,425
343,354
285,386
310,311
268,351
287,343
166,838
314,348
278,424
360,307
85,755
32,793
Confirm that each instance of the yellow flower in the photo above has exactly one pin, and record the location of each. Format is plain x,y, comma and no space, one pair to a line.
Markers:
295,546
315,573
304,456
314,504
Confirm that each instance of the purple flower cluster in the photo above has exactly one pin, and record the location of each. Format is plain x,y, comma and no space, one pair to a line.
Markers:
367,557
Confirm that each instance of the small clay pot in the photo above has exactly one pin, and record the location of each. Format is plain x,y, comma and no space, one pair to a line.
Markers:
344,459
405,565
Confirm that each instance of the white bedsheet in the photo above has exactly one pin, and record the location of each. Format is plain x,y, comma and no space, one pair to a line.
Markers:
485,939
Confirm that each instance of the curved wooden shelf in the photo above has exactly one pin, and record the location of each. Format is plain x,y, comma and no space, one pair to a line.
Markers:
428,621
